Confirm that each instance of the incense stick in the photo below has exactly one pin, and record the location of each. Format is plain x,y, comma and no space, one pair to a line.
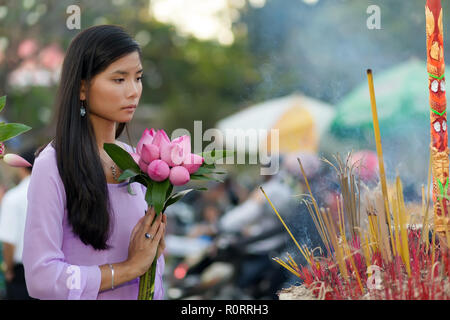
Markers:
314,203
376,128
403,226
285,226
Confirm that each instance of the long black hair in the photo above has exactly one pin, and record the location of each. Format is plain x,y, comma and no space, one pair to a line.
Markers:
79,164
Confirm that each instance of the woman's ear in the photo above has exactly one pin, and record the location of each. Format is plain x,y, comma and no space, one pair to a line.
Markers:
83,90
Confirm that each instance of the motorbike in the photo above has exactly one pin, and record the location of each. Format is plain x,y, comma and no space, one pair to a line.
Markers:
228,269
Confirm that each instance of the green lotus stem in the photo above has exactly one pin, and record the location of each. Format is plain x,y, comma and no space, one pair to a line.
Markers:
151,283
143,280
141,286
147,281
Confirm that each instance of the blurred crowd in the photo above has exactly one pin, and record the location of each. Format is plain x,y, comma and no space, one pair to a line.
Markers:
220,242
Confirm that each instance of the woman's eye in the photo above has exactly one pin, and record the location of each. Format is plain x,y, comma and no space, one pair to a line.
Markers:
139,78
119,80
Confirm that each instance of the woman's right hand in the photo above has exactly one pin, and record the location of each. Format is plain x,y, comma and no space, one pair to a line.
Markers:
141,250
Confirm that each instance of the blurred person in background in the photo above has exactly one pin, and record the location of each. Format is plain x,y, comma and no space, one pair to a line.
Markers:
255,214
236,192
210,214
13,209
224,195
255,218
221,197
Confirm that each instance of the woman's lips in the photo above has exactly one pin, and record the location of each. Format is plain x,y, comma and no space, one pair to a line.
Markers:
130,107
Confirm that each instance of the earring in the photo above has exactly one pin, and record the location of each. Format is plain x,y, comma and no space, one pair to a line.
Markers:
82,109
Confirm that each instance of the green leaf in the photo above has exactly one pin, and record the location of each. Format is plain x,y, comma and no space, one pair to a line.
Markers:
148,194
142,179
2,102
195,177
203,170
129,173
209,166
11,130
206,178
159,192
214,155
178,196
121,157
169,191
175,197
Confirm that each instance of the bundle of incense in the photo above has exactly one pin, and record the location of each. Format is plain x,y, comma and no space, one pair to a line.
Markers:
407,266
365,266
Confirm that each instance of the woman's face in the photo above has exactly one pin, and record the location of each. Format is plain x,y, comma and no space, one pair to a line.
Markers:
113,90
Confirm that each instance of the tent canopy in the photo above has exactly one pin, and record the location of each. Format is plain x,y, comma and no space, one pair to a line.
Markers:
300,122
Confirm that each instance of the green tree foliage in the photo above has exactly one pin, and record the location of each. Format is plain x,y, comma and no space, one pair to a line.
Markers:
321,50
185,79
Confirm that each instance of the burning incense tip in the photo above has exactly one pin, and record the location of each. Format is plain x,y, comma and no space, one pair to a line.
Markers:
369,71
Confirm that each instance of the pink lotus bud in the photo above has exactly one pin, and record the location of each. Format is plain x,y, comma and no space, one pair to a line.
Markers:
136,157
147,137
149,152
185,143
179,176
15,161
158,170
143,165
161,139
192,162
2,149
172,154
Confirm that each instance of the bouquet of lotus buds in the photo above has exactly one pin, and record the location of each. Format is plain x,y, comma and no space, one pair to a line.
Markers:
160,164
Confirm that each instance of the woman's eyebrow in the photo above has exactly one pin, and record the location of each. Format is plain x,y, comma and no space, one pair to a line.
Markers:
125,72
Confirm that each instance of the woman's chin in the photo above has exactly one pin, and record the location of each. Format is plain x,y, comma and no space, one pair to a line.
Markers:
125,119
127,113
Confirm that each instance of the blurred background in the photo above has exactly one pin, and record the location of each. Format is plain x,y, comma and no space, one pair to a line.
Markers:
298,66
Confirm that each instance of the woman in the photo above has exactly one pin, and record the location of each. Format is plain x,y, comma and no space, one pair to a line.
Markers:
86,237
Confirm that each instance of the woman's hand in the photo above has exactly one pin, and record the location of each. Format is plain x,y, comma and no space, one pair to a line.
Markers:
142,250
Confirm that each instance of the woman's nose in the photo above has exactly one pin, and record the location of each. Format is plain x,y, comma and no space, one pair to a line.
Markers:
133,89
